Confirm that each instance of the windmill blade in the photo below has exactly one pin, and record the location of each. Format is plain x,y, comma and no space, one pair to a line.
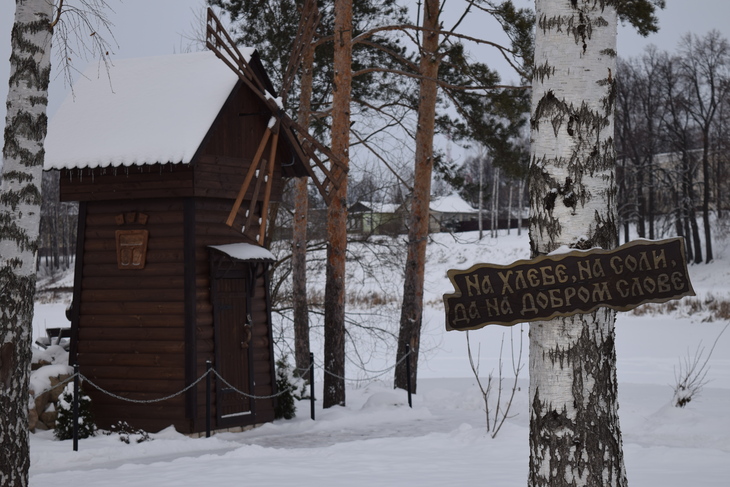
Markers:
218,40
249,176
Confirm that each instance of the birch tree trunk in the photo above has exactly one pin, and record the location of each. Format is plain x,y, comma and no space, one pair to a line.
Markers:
412,307
575,438
334,306
20,200
299,230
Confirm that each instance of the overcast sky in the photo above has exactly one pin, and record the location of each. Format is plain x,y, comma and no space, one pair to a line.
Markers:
156,27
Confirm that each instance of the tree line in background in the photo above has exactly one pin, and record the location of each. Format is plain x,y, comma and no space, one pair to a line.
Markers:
672,136
59,224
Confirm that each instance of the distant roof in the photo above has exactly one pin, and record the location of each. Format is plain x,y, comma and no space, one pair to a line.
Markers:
374,207
145,111
451,204
245,251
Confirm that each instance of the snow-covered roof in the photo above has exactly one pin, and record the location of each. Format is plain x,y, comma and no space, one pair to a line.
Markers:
245,251
152,110
451,204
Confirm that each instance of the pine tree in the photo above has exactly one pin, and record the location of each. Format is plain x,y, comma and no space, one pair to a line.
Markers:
65,420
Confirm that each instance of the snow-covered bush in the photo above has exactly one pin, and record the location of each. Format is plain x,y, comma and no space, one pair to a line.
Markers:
64,422
127,433
291,389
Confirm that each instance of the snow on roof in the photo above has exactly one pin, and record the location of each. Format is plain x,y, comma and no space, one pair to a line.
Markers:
245,251
451,204
152,110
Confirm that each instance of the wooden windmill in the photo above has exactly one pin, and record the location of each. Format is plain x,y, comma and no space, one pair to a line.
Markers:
328,179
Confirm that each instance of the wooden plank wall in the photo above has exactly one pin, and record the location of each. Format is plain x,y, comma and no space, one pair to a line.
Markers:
137,182
131,323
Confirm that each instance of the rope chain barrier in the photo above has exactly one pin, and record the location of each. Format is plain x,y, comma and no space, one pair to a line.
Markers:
377,375
143,401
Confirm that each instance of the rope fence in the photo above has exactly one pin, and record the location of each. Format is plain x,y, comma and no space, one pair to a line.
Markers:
207,375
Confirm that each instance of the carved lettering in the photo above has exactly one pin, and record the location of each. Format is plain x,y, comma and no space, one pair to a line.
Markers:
548,279
601,292
520,282
649,285
555,300
584,294
636,289
460,315
561,273
472,285
492,307
506,307
487,286
528,308
644,264
678,281
474,311
598,269
565,284
584,270
660,260
616,265
663,283
506,288
569,294
630,263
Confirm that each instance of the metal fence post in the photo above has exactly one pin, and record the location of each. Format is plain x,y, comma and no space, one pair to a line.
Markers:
76,408
208,387
311,385
408,374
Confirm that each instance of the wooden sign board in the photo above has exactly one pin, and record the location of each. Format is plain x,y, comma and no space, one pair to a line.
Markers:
635,273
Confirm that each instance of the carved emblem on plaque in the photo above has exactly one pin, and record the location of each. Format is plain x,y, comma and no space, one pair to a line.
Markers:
131,244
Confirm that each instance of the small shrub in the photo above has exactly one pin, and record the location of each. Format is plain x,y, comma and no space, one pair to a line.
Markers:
64,422
291,389
691,376
127,433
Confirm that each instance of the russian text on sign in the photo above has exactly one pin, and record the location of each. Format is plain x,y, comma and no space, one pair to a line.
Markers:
635,273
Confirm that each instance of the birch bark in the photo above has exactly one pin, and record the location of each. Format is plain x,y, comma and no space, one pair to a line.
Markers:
20,199
575,438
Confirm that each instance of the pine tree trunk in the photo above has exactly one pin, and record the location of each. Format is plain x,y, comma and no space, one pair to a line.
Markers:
418,219
574,431
334,307
299,230
20,200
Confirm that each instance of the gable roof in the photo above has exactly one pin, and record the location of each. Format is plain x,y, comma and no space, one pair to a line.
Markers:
451,204
153,110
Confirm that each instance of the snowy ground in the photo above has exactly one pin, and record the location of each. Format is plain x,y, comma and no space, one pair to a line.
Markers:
378,440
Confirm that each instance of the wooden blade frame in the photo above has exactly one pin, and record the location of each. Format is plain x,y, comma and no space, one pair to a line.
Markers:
220,42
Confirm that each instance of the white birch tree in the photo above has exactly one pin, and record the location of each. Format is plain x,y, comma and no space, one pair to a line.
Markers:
20,200
575,438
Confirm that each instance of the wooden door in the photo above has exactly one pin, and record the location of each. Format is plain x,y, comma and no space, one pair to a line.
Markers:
233,339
